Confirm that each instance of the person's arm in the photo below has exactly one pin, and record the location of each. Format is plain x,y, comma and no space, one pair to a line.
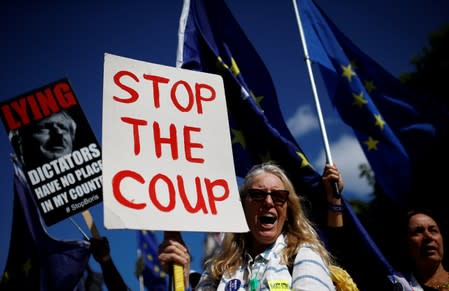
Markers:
331,175
335,231
334,212
102,254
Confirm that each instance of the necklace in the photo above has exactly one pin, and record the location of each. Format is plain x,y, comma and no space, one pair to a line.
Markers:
443,286
254,282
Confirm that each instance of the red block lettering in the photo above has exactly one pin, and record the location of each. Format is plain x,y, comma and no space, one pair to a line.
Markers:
200,97
47,102
188,144
210,185
200,203
117,179
133,93
38,104
174,96
156,80
136,137
9,118
172,140
171,193
64,95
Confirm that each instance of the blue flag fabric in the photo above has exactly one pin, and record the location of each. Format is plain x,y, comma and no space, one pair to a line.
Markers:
397,137
36,261
211,40
154,277
395,127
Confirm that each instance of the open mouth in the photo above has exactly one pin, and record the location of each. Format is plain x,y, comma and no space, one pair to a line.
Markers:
55,147
267,219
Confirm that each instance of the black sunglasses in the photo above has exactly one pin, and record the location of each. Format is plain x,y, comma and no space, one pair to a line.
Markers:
279,197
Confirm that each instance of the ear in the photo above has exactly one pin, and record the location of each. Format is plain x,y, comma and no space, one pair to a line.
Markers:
16,141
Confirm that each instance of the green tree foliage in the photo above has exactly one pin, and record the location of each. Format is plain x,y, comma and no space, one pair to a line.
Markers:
431,74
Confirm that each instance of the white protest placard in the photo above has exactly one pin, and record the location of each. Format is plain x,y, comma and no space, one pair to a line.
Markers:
167,156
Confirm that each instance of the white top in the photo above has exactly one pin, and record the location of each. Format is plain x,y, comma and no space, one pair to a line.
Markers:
266,272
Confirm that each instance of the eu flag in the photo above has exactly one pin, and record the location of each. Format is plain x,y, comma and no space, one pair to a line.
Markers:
211,40
396,136
393,127
37,261
154,277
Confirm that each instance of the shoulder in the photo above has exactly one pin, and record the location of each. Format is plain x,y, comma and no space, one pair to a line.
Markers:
307,258
307,251
310,270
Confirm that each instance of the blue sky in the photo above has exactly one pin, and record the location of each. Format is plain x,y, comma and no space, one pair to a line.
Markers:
43,42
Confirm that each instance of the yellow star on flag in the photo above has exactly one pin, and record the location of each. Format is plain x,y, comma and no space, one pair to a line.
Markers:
371,143
359,100
238,137
234,68
5,277
221,63
348,72
258,99
369,86
304,161
27,266
379,121
266,157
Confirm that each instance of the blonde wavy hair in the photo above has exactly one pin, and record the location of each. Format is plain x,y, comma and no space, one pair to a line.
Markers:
298,229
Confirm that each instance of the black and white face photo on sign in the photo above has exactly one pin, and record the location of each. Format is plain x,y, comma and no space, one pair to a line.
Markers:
45,140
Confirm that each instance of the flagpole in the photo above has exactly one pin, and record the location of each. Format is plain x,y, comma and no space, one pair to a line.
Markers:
315,93
79,228
139,257
141,283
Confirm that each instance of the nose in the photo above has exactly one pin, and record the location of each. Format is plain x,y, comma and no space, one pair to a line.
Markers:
428,235
56,128
269,199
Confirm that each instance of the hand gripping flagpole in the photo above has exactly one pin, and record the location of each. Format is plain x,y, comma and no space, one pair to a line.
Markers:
315,94
176,274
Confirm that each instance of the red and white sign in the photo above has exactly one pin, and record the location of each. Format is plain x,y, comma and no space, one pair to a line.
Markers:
167,156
